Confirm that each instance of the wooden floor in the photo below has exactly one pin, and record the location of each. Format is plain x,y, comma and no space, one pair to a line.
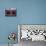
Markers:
30,43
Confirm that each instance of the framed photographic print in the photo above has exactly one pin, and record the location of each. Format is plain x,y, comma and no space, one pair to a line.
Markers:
10,12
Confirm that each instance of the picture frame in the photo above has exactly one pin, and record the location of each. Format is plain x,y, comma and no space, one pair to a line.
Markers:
10,12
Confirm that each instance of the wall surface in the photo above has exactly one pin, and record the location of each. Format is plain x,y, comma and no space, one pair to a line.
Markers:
28,12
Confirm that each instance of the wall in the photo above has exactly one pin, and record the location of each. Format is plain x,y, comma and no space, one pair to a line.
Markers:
28,12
